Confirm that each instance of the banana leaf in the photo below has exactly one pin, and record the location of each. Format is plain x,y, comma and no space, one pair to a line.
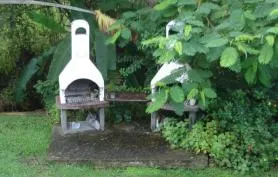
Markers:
28,73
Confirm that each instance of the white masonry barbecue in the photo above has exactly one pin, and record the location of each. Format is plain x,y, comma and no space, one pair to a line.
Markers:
80,80
165,71
81,85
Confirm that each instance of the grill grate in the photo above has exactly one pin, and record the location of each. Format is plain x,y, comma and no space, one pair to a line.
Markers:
81,91
79,97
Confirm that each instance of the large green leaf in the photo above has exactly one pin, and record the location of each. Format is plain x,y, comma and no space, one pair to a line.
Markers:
46,21
246,49
273,30
126,33
229,57
251,73
105,54
188,49
203,98
264,75
209,93
199,75
161,98
114,38
188,86
167,56
195,76
164,4
274,12
266,54
187,2
177,94
207,7
192,94
28,72
236,67
217,43
61,57
178,108
270,39
178,47
214,54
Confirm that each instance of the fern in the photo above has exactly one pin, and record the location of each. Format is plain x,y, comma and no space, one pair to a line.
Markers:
132,68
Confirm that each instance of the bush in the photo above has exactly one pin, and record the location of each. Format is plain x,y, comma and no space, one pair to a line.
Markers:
239,132
7,101
48,90
175,132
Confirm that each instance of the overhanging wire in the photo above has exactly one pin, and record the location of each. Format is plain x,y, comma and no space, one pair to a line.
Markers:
49,4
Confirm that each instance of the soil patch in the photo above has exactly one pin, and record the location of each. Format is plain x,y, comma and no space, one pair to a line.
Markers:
120,148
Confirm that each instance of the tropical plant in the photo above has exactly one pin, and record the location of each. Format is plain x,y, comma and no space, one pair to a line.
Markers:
212,37
50,64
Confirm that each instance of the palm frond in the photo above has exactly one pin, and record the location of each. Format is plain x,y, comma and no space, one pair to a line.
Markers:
104,21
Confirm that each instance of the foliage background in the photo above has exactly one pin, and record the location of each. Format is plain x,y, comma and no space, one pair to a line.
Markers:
229,45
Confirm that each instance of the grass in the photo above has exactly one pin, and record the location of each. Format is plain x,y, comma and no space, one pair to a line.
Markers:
23,149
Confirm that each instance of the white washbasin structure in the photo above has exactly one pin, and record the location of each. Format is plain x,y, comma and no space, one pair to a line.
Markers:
165,71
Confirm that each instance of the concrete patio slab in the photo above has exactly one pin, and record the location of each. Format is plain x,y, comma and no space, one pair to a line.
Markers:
118,148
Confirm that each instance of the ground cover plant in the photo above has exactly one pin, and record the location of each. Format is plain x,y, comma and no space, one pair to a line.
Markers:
238,132
24,140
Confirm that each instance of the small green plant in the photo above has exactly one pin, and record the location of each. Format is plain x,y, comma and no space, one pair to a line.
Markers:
48,90
121,114
174,131
53,113
7,99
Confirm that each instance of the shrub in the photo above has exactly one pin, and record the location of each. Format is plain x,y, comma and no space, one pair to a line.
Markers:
175,132
48,90
238,132
7,101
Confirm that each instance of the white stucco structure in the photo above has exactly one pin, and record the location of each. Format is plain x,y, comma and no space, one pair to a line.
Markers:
168,68
165,71
80,65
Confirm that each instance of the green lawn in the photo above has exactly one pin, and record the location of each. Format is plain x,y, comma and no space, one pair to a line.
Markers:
23,148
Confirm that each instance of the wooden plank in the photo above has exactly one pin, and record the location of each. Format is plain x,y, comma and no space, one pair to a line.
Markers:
187,108
126,100
126,97
95,104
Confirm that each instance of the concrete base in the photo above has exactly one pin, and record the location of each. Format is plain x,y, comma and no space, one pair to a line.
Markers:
115,148
80,126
